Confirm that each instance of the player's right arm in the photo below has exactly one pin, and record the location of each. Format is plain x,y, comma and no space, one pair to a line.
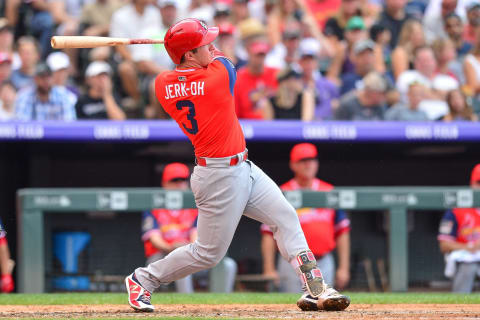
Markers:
447,236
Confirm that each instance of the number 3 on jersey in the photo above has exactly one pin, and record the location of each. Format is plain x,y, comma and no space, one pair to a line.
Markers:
190,115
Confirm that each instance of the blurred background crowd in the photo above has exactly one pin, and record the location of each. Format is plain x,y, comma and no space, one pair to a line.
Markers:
296,59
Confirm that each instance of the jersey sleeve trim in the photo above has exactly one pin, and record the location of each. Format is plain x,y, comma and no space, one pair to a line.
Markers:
232,73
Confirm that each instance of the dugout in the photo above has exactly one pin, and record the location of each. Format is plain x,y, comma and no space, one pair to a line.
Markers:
86,162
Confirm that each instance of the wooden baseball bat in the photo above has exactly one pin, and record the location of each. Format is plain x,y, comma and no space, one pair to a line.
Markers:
62,42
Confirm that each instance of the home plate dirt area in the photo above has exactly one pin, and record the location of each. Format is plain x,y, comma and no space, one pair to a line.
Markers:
244,311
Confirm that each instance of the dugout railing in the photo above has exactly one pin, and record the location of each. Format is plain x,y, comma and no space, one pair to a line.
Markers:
33,203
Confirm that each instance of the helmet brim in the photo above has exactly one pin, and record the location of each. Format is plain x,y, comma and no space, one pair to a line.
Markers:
210,36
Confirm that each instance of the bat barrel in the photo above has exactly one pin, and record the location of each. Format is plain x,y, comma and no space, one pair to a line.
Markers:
62,42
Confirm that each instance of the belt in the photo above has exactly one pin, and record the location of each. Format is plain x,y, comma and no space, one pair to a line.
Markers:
223,162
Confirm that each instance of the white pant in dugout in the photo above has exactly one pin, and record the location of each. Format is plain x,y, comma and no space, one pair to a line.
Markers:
223,195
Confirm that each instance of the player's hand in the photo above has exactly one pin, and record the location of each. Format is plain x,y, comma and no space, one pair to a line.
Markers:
7,284
342,278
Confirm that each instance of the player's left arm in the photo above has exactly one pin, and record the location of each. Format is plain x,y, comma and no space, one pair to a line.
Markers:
229,67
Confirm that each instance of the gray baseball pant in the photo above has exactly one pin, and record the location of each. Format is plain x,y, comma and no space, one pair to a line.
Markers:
464,278
223,195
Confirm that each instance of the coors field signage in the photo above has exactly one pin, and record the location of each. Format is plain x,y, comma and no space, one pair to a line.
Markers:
166,130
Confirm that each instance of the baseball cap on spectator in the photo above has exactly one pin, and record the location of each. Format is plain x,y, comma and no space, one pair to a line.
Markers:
225,28
309,47
258,47
472,5
97,67
175,170
42,69
363,45
251,27
166,3
287,74
475,177
4,25
5,57
57,61
374,81
303,151
355,23
221,9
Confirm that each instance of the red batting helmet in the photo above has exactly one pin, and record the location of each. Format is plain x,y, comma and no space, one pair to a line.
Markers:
185,35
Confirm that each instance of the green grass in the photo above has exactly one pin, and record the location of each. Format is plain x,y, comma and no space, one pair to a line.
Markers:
240,298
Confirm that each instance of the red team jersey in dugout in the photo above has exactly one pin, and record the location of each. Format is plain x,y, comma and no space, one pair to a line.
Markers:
201,101
321,226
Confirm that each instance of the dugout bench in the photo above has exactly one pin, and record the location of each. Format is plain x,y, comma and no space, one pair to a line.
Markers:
33,203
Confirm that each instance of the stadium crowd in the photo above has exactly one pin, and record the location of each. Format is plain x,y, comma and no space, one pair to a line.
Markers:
296,59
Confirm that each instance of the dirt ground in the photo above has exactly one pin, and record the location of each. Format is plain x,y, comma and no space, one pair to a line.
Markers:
270,311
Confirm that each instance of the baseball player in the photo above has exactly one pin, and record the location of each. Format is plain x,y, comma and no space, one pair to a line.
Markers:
165,230
6,264
459,240
198,95
324,228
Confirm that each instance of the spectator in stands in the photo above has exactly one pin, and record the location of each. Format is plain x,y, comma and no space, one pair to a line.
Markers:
31,18
5,67
6,264
222,14
285,53
164,230
226,41
381,36
409,111
42,101
367,103
435,15
128,22
342,60
99,102
336,24
471,69
29,56
59,63
7,101
326,92
393,17
459,109
291,99
363,61
97,15
240,11
458,238
324,10
284,14
473,20
6,36
325,229
437,84
152,60
255,82
250,30
411,37
446,56
454,29
202,10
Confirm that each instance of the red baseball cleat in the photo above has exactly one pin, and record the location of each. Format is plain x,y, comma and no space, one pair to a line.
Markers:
138,296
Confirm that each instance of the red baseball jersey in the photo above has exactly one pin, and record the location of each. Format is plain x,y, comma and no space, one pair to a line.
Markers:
172,225
460,225
249,84
201,101
320,226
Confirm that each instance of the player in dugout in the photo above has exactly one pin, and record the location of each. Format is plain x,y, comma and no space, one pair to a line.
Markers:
459,240
6,264
164,230
226,185
324,229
